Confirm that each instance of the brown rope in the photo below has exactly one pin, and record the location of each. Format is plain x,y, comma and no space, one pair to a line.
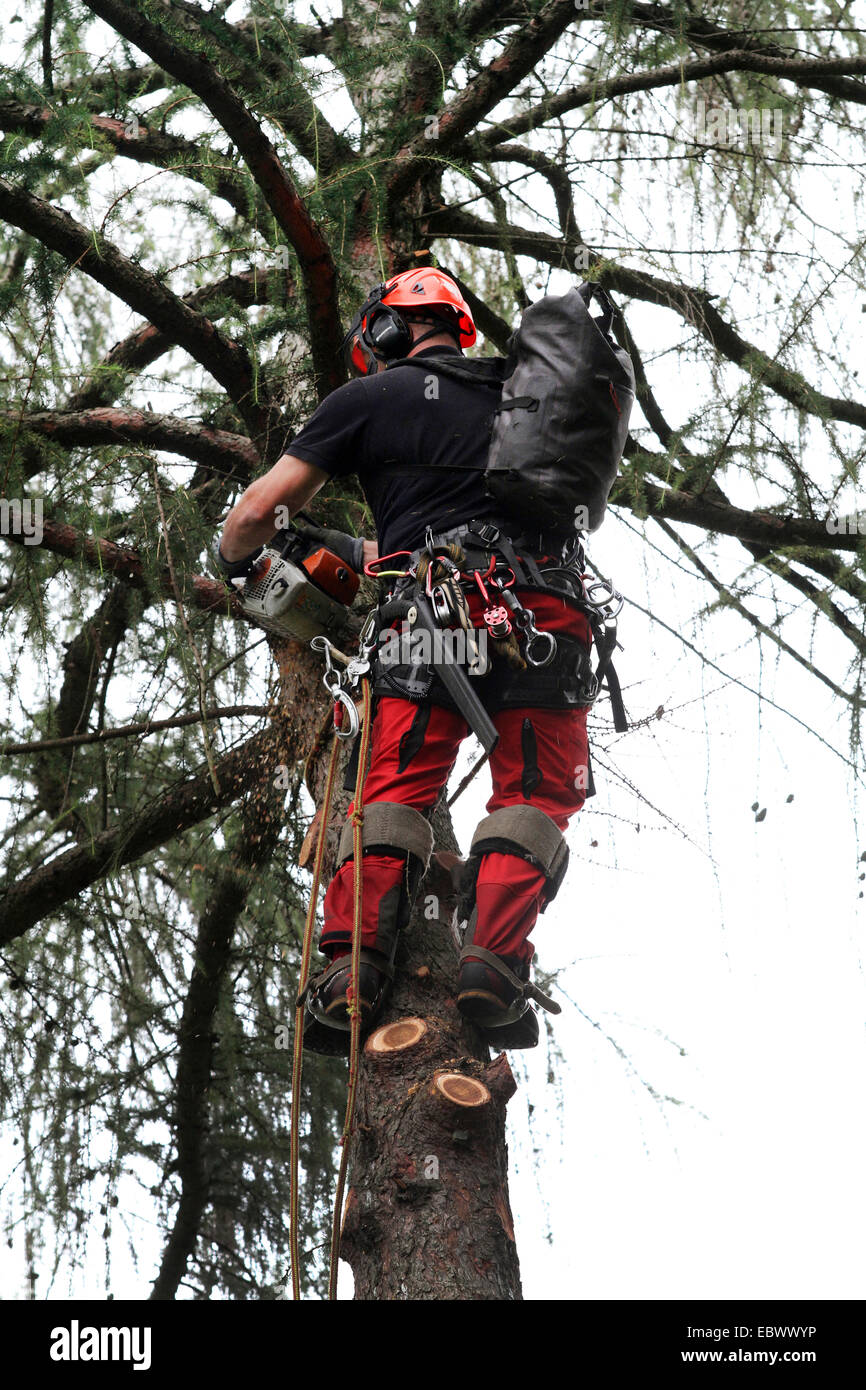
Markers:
354,1000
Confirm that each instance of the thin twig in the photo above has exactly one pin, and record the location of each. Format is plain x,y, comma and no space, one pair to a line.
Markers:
148,726
202,674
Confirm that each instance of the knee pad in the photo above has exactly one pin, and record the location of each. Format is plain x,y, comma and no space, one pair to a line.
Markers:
525,832
399,832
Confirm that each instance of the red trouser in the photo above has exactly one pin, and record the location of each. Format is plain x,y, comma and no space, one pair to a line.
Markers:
510,891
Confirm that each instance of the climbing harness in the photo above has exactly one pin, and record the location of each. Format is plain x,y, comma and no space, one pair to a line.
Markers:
429,593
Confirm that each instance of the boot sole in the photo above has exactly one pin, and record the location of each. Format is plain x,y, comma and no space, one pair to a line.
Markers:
475,1005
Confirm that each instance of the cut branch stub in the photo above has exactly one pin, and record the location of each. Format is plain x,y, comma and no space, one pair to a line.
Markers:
460,1090
395,1037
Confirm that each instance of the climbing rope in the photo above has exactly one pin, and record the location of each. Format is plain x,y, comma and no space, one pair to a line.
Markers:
354,1002
298,1054
341,707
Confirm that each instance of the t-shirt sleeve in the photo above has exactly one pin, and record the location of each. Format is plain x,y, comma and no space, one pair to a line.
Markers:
333,437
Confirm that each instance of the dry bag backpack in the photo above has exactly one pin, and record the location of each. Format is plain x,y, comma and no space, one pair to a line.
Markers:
561,423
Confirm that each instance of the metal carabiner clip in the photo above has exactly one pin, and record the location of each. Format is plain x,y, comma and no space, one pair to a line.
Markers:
533,636
342,697
332,680
609,605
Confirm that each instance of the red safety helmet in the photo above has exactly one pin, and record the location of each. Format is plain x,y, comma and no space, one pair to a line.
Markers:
379,330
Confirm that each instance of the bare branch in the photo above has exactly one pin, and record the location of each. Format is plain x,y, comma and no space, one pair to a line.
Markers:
146,726
229,454
729,599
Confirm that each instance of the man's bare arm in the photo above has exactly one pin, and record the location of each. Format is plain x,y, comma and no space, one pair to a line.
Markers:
290,484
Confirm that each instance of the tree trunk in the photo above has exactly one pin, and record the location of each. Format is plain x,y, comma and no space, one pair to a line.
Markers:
427,1215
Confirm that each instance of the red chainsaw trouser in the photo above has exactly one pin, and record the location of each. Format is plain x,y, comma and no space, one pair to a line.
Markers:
510,891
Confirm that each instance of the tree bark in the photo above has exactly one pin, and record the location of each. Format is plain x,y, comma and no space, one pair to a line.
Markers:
427,1215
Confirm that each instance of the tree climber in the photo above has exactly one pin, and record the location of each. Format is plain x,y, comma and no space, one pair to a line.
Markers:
416,432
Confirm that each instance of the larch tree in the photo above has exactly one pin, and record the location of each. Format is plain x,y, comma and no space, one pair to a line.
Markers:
194,200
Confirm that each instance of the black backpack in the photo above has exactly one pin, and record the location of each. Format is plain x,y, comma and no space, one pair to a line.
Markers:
561,424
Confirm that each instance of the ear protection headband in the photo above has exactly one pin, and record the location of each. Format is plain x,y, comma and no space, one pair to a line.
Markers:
385,333
381,331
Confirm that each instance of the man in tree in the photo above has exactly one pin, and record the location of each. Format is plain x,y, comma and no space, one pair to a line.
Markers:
418,441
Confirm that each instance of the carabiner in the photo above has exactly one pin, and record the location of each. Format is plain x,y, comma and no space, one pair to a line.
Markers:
611,602
351,709
533,636
332,680
372,570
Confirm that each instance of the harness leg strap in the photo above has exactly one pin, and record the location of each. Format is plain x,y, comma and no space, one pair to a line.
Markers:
526,832
399,832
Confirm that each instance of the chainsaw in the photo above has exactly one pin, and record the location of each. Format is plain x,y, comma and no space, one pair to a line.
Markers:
299,588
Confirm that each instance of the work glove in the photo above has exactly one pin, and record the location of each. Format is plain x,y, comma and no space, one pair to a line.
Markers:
350,549
231,570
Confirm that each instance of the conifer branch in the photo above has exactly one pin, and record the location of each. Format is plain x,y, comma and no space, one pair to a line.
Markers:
704,33
289,209
694,306
483,92
126,563
146,344
41,893
227,361
147,145
232,455
804,71
229,889
758,527
268,79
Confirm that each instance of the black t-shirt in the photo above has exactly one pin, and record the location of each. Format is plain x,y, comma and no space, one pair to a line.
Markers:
418,441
